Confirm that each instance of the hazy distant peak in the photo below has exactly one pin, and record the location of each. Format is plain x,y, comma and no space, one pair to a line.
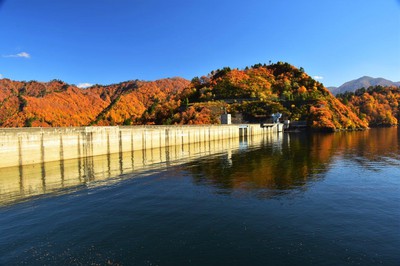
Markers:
365,81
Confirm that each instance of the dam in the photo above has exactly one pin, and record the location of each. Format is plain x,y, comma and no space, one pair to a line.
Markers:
56,160
26,146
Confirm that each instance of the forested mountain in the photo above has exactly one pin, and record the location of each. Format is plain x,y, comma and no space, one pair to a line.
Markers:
363,82
376,105
58,104
250,95
260,90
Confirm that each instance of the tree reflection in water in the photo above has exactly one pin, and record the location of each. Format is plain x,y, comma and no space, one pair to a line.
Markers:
265,165
296,160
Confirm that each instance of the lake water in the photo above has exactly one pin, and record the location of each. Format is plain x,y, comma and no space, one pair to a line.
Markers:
290,199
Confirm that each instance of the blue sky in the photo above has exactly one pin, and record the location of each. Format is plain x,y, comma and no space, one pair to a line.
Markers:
109,41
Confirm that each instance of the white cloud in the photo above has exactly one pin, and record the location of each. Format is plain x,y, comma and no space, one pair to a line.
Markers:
24,54
21,55
1,76
84,85
318,77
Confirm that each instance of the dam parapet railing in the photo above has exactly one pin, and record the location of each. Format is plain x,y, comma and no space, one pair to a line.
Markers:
25,146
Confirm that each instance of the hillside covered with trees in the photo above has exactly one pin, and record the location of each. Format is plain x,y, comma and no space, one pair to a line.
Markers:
261,90
250,95
377,105
57,104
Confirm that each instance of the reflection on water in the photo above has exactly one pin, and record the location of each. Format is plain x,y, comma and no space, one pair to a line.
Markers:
275,163
295,160
373,148
289,199
23,182
270,169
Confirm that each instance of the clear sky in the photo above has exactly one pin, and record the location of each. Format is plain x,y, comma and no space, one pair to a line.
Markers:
109,41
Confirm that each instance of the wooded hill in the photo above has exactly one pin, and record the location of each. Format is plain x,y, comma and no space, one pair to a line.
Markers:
377,105
57,104
251,95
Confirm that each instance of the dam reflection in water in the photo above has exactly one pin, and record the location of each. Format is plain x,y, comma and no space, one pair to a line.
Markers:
289,199
23,182
267,165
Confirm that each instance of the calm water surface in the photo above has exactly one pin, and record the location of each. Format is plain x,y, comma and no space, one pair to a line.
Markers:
331,199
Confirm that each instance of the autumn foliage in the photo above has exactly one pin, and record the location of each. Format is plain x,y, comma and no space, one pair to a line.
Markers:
377,106
261,90
250,95
57,104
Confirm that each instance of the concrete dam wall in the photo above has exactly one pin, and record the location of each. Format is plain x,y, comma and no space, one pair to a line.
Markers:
21,182
25,146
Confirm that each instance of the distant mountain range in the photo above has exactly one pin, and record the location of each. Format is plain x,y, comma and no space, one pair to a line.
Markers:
253,94
362,82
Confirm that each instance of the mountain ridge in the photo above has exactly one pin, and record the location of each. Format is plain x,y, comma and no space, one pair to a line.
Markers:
251,95
362,82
